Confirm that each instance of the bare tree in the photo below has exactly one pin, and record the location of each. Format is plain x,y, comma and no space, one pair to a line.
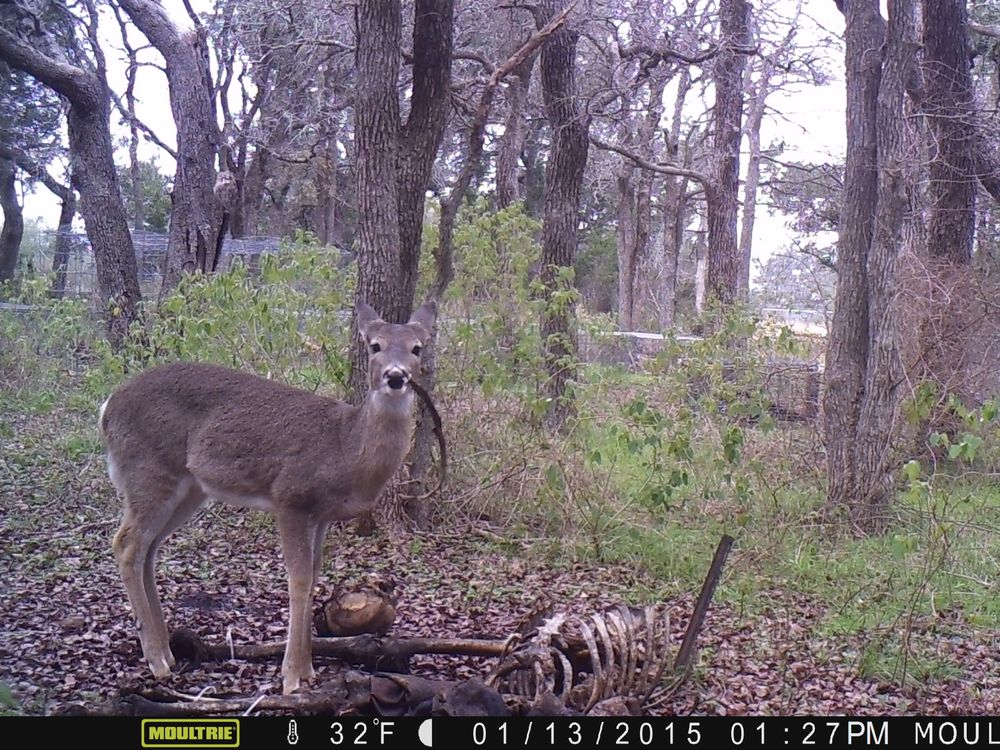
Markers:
196,217
779,64
33,50
393,158
949,106
569,124
723,202
862,367
13,219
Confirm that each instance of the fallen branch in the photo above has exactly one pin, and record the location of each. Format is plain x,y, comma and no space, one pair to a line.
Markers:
377,694
367,650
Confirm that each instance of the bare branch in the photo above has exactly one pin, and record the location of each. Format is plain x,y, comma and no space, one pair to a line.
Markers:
660,167
477,136
25,162
70,81
990,31
193,16
132,120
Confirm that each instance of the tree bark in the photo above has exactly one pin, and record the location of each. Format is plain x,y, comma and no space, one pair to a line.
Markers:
847,353
196,217
13,220
393,161
93,167
512,141
755,118
877,419
626,236
862,369
420,138
569,124
723,200
376,131
950,108
674,210
64,243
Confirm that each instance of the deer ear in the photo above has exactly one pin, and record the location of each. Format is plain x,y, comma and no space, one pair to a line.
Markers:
367,317
425,316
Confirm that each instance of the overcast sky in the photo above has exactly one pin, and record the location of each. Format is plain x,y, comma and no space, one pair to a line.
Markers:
809,120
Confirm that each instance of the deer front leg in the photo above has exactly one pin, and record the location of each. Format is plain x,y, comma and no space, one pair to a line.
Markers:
298,537
318,551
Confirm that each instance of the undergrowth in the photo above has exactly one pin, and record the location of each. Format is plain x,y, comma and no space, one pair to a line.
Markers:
652,469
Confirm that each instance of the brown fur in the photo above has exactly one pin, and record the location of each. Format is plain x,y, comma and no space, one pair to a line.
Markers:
179,433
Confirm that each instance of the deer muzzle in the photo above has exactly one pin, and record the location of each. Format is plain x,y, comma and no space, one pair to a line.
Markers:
396,378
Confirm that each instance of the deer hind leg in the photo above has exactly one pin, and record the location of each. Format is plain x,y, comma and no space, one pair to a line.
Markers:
153,509
298,540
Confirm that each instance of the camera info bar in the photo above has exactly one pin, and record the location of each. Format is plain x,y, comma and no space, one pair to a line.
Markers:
308,733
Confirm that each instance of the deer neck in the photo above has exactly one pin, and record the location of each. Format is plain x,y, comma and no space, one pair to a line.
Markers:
386,429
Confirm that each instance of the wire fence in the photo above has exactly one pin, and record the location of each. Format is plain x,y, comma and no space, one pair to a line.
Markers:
150,254
792,384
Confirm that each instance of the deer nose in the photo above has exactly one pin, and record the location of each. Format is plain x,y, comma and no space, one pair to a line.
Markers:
396,377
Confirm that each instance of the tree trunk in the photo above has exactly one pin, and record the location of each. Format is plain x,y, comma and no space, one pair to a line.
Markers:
245,219
376,131
512,140
754,119
674,210
534,171
196,217
847,353
877,419
642,262
949,105
626,235
393,162
674,217
64,243
420,137
104,214
862,369
135,170
13,220
569,125
723,200
92,164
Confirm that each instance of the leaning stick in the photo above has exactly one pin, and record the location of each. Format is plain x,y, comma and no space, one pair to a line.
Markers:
438,430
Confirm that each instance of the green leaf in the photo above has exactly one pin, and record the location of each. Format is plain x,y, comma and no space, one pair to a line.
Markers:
554,478
912,470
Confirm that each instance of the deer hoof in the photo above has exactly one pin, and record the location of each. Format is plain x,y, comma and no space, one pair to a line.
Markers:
160,667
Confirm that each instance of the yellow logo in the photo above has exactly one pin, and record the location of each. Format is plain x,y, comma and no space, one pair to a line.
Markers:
190,732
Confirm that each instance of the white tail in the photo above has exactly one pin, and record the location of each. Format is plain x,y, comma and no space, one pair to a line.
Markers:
179,434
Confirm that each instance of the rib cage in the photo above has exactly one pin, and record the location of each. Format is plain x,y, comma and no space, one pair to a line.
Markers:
585,659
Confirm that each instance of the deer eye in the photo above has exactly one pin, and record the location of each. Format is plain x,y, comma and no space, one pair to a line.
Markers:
416,350
376,347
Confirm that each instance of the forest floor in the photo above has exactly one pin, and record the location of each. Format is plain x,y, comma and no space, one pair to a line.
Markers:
830,636
67,638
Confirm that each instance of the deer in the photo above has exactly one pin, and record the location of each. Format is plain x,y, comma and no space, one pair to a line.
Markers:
177,435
